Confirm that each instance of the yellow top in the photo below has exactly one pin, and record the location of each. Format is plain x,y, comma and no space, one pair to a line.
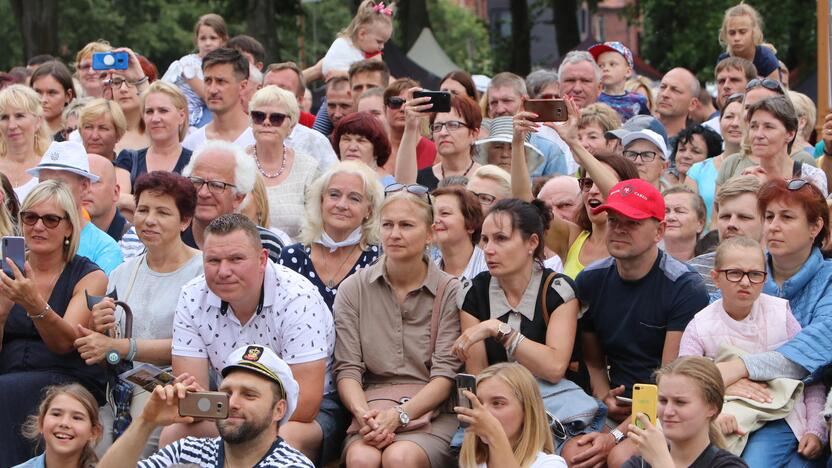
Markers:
572,266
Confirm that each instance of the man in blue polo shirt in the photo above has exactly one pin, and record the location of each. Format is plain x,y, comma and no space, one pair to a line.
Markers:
636,305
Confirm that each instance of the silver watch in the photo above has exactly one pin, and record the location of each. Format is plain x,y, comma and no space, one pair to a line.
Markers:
404,418
618,435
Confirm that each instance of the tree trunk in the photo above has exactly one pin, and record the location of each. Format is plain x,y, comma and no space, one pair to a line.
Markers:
412,18
520,38
261,23
38,21
566,24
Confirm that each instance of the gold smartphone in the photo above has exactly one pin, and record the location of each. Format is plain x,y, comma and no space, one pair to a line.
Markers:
645,400
547,110
211,405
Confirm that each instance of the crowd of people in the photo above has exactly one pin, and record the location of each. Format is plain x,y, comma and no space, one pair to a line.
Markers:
337,273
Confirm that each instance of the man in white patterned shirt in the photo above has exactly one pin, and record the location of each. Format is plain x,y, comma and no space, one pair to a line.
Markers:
245,299
262,397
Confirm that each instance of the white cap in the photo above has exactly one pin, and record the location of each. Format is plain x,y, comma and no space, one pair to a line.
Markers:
262,360
66,156
481,82
650,136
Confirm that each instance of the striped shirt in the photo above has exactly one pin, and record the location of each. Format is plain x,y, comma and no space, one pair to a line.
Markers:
210,453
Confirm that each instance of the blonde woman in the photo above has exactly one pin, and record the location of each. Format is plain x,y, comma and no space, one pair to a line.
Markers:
274,113
43,314
7,223
164,112
691,393
24,136
507,424
92,81
101,125
340,234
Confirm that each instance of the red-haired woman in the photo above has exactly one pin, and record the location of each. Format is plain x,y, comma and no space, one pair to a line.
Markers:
361,137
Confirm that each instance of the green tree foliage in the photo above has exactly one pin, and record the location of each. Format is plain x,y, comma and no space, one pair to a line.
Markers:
463,36
685,33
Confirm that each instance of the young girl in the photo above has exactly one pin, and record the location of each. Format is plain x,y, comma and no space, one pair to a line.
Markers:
67,423
755,323
364,38
742,35
690,398
507,424
210,32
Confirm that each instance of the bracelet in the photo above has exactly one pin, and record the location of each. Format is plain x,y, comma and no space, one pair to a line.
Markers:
134,348
40,315
515,343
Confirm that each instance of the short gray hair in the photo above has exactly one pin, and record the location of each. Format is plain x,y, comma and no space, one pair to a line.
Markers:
537,80
578,56
508,80
245,170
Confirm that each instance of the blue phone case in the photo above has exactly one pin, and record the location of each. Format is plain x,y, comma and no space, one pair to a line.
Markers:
110,60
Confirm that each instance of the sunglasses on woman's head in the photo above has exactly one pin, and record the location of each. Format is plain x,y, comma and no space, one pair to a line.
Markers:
796,184
767,83
395,102
276,119
415,189
585,183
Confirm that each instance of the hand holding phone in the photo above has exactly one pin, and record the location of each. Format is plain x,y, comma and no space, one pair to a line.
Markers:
465,382
14,249
210,405
110,60
441,100
645,400
547,110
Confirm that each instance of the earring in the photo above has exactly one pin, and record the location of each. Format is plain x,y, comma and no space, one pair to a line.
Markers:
66,241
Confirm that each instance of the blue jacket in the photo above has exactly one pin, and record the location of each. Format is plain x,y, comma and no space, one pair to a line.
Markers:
809,293
555,160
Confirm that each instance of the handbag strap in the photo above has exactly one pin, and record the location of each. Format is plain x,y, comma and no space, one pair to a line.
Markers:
434,315
544,306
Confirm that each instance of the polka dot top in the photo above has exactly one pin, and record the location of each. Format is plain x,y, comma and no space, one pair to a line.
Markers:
298,257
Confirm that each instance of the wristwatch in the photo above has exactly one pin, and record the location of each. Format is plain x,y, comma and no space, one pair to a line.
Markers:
618,435
404,418
503,331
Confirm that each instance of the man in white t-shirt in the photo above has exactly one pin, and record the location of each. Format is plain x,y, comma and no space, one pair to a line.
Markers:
243,298
226,75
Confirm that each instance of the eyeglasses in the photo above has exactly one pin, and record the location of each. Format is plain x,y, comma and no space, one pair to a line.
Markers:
485,199
767,83
276,119
415,189
735,276
796,184
557,427
736,97
646,156
451,126
585,183
395,102
117,82
214,186
51,221
549,96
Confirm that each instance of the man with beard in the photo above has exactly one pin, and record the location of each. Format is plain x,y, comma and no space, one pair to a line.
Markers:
262,395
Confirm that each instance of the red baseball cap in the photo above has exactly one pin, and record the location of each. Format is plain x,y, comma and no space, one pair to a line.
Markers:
635,199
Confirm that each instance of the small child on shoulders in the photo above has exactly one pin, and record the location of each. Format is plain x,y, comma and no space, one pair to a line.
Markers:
363,39
616,63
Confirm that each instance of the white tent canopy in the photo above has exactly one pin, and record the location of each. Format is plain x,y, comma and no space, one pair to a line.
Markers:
428,54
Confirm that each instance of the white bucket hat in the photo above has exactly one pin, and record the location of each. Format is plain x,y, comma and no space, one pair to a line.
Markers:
66,156
502,131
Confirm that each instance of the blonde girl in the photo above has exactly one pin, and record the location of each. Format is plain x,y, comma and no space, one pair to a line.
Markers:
507,425
742,36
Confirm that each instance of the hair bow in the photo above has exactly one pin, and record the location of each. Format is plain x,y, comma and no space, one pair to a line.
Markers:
380,9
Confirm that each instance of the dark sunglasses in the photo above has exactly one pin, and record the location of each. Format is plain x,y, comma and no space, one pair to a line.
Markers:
585,183
51,221
766,83
276,119
395,102
415,189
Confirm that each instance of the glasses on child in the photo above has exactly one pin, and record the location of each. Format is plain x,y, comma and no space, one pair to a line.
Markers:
735,275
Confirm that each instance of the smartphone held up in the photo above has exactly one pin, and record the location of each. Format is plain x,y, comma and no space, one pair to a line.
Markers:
547,110
13,248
